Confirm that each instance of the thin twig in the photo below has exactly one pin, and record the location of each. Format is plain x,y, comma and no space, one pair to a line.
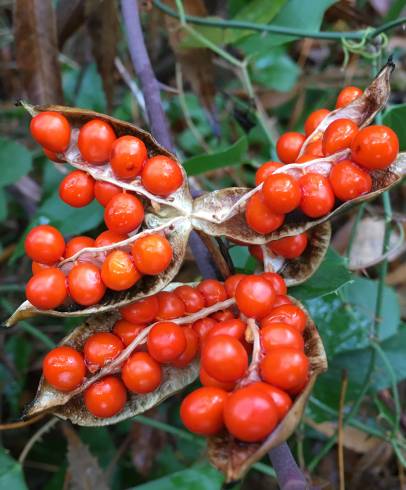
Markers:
343,392
132,85
145,73
284,31
22,423
35,437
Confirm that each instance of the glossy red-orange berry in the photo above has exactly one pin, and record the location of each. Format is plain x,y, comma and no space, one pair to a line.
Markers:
313,151
276,281
281,399
375,147
141,373
231,284
105,397
212,290
223,315
142,311
166,342
348,95
349,181
282,299
128,155
104,191
192,347
250,414
161,175
127,331
207,380
203,326
85,284
202,411
314,119
64,368
259,217
77,189
53,156
281,334
265,170
119,271
339,135
95,141
78,243
109,237
224,357
37,267
100,349
285,367
123,213
192,299
289,247
254,296
152,253
233,327
44,244
46,290
170,306
281,193
287,313
51,130
317,195
288,146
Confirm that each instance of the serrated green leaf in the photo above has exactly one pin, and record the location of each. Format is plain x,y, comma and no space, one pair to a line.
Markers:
202,477
11,473
16,161
395,118
276,70
231,156
331,275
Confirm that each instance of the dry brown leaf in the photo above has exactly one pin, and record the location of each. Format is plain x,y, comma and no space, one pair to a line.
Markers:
234,458
354,439
103,25
84,469
366,249
37,50
70,15
196,63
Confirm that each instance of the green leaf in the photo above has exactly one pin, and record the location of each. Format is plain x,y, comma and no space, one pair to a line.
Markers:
330,276
356,363
69,221
231,156
344,320
395,10
202,477
276,70
16,161
11,473
298,14
3,205
258,11
91,94
395,118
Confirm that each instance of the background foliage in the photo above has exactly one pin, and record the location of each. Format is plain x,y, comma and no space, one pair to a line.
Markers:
225,110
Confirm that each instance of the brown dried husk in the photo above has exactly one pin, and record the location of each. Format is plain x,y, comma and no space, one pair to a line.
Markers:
234,458
70,404
222,212
208,206
178,231
181,199
65,406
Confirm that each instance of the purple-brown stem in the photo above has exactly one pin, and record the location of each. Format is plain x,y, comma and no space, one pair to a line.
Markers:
288,473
